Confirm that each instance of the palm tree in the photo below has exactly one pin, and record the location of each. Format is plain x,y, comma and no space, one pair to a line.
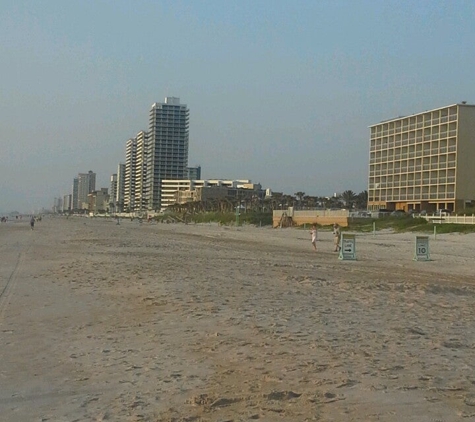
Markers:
348,197
299,196
362,200
324,201
310,202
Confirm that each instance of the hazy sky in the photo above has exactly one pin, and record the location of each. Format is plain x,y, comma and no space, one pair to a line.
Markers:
280,92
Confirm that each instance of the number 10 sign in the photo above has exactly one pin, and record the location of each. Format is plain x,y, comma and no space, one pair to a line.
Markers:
422,249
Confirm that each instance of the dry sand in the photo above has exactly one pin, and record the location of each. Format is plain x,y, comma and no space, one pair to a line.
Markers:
157,322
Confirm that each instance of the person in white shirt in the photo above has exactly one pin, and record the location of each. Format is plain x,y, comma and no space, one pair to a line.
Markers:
336,236
313,234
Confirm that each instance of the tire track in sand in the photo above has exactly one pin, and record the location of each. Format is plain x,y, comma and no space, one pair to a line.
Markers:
7,292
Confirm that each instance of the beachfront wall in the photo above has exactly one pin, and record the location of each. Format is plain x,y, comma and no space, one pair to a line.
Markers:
321,217
456,219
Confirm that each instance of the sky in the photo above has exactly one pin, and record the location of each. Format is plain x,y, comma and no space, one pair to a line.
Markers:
280,91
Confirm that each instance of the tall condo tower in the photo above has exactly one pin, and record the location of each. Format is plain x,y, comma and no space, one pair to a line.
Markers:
140,198
86,184
167,148
120,193
130,174
75,193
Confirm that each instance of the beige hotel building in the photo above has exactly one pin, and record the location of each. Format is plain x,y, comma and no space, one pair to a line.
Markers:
425,161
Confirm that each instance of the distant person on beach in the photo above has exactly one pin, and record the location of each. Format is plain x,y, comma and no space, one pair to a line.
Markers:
32,222
336,237
313,234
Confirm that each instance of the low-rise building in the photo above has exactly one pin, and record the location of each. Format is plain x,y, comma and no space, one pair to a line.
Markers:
98,201
182,191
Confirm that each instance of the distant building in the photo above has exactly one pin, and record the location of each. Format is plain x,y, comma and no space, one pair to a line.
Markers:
86,185
130,174
120,193
57,205
182,191
67,203
167,149
98,201
75,194
423,161
113,192
141,188
194,173
154,155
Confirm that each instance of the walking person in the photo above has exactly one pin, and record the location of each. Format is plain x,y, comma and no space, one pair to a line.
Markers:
313,234
32,222
336,237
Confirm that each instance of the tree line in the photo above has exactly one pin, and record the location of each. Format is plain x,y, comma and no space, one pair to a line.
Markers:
254,203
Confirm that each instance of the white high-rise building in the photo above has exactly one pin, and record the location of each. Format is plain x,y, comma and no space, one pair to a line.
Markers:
120,193
167,148
130,174
140,194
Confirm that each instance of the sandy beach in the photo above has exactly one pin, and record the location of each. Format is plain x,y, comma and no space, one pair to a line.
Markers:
172,322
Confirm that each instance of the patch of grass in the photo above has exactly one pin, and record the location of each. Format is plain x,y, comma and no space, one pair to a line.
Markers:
257,218
454,228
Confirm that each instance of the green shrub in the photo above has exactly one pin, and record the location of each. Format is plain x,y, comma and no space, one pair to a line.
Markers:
229,218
